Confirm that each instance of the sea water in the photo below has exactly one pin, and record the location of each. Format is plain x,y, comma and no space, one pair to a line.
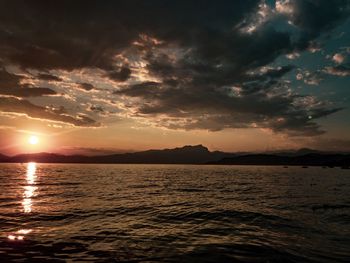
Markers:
173,213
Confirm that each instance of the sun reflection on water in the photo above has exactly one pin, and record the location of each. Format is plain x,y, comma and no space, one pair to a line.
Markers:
31,169
29,189
19,235
29,192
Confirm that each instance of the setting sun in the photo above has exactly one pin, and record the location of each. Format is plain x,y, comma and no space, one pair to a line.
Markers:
33,140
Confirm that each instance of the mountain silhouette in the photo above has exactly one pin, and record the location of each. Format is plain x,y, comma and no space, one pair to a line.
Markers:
3,158
196,154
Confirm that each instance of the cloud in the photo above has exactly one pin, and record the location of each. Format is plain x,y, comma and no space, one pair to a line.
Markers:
310,78
85,86
340,70
10,85
313,17
342,65
98,109
179,64
27,92
254,105
120,75
48,77
21,106
338,58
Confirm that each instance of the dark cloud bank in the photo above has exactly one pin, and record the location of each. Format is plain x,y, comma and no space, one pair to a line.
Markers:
20,106
210,71
10,85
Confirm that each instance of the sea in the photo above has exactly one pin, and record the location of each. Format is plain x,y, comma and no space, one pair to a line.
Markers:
173,213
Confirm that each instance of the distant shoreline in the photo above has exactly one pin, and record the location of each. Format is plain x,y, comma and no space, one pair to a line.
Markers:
197,154
197,164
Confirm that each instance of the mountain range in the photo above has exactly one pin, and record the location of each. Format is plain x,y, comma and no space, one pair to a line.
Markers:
197,154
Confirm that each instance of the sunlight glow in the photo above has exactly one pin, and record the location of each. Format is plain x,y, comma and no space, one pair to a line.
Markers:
33,140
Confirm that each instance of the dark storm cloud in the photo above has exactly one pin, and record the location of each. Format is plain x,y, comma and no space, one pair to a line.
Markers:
210,73
48,77
315,16
120,75
221,57
266,107
70,35
27,92
20,106
10,85
85,86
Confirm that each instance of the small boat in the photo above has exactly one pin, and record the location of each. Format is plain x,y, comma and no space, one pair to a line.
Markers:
305,166
345,167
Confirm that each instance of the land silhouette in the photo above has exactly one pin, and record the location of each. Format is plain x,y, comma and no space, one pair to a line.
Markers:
197,154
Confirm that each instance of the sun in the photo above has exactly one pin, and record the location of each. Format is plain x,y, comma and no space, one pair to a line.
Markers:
33,140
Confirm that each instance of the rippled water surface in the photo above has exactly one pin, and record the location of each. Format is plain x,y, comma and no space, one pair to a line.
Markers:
173,213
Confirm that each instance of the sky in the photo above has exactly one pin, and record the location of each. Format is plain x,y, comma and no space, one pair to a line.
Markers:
95,77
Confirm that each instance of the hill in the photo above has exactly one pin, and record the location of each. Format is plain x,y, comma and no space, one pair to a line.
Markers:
197,154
